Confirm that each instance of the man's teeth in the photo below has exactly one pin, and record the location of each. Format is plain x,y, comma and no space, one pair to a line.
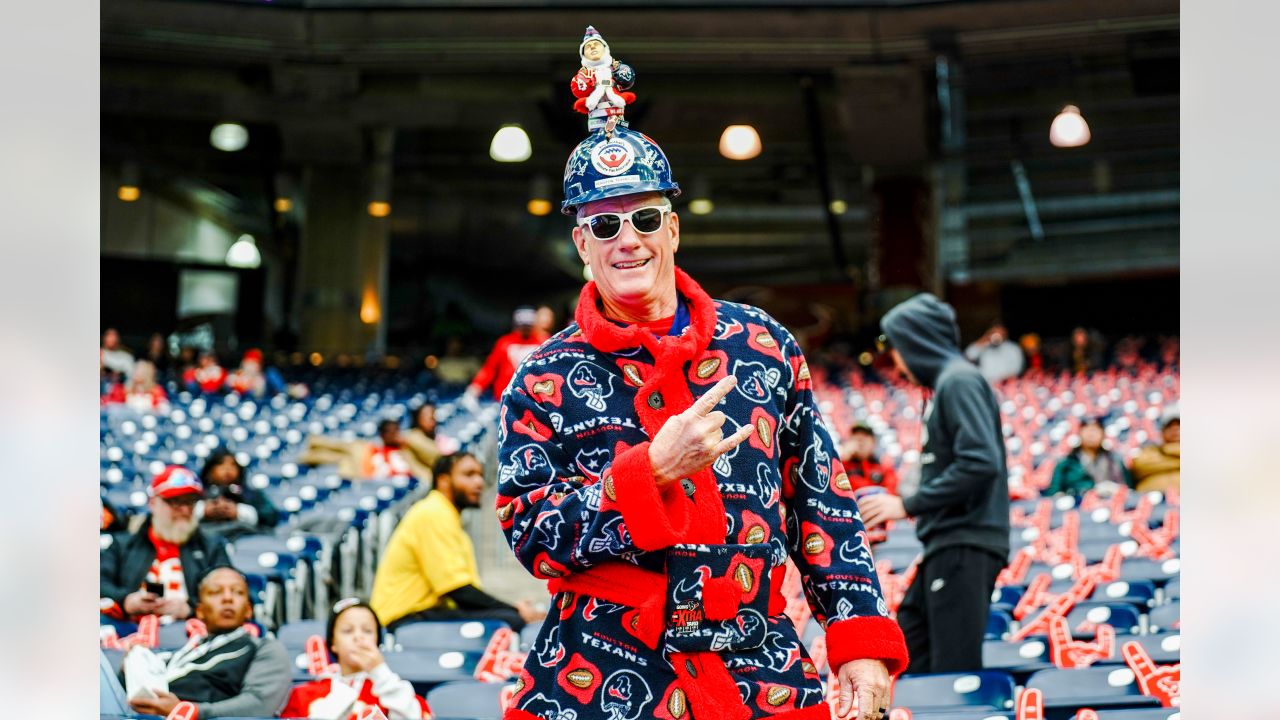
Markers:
629,265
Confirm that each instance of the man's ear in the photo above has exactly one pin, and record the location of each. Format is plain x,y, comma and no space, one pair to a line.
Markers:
200,612
580,243
673,225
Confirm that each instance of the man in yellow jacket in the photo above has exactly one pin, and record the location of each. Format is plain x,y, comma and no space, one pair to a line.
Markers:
1158,466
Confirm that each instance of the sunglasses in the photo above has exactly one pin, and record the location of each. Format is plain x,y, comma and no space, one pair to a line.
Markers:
606,226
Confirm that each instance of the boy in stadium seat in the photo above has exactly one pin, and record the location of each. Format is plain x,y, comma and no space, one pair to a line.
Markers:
229,672
861,463
428,571
169,550
962,505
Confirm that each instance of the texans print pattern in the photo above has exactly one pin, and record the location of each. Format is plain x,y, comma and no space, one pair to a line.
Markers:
573,419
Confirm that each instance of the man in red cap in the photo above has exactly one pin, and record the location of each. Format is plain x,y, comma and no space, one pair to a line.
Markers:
154,570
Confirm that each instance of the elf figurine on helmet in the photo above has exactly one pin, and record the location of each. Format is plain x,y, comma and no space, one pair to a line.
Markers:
601,84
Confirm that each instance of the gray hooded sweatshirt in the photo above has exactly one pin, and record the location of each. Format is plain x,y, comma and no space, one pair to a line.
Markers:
963,497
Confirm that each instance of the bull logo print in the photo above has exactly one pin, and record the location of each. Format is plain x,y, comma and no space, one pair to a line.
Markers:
727,329
547,526
624,696
594,607
592,461
689,589
781,654
767,483
527,466
815,468
755,381
592,383
549,652
856,554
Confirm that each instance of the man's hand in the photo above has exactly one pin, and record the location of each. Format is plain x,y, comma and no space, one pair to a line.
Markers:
692,440
870,680
878,509
141,602
159,705
219,508
176,608
363,659
528,612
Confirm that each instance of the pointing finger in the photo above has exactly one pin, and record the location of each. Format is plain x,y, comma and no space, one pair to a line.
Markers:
734,440
708,401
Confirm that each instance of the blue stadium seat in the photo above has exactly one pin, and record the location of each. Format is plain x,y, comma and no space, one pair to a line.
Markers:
294,635
530,633
1141,593
1141,714
963,715
464,635
1006,597
1164,618
983,690
899,557
998,623
1123,617
427,668
1157,572
172,636
1173,590
1098,687
1019,658
465,700
1164,648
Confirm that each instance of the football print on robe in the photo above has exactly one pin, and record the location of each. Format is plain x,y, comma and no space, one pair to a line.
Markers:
527,466
592,383
580,678
755,381
545,388
710,368
760,340
625,696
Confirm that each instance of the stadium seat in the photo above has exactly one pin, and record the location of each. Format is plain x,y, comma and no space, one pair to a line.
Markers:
172,636
1018,658
1164,648
427,668
1165,618
530,633
1106,686
1123,617
465,700
1172,590
463,635
900,558
1141,593
1157,572
983,690
998,624
962,715
1141,714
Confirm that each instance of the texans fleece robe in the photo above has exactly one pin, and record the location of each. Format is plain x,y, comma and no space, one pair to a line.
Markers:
667,602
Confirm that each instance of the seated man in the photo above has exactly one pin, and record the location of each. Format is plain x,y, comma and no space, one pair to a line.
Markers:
428,571
232,507
1159,465
862,465
229,672
154,570
420,441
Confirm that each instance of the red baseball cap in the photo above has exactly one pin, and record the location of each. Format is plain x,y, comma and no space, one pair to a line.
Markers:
173,481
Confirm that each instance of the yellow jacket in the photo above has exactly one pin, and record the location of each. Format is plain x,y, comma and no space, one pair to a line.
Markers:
1158,467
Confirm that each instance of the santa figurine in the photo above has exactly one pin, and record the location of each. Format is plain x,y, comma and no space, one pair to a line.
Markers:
601,84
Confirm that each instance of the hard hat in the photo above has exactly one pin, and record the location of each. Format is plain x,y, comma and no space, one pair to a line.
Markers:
624,162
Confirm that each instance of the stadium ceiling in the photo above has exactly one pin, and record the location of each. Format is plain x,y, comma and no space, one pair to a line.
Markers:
314,79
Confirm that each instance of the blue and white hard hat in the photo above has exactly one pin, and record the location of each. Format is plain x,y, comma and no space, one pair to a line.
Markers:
626,163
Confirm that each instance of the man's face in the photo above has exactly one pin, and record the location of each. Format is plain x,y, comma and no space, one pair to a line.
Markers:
466,483
174,519
110,339
632,268
901,365
593,50
861,445
226,471
1172,432
545,319
390,434
224,601
1091,437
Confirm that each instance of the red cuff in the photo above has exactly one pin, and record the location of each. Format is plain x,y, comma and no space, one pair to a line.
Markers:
656,519
873,638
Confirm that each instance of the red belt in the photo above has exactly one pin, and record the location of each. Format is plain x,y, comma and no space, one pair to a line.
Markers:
702,676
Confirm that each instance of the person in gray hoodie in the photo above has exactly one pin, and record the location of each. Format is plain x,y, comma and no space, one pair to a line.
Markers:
962,505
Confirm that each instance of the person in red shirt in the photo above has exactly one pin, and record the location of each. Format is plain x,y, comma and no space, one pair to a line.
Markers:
361,677
863,465
140,391
507,353
207,377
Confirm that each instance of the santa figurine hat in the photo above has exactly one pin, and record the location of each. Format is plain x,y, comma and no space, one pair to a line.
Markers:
588,36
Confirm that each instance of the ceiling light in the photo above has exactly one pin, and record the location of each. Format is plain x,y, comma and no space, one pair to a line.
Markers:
229,137
379,209
370,312
839,207
700,197
244,253
283,205
128,193
510,144
1069,129
740,142
701,206
539,196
